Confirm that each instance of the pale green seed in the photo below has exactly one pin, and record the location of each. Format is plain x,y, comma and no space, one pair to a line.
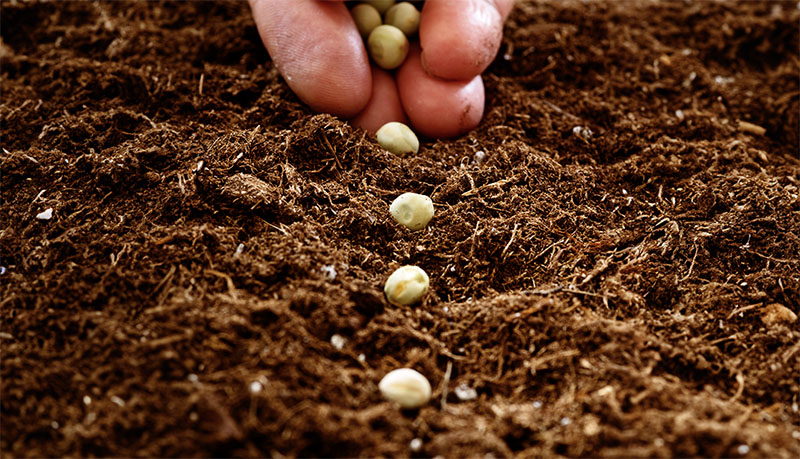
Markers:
412,210
406,286
381,5
405,17
398,138
388,46
366,18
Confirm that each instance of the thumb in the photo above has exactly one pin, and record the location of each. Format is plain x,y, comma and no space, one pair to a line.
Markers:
318,50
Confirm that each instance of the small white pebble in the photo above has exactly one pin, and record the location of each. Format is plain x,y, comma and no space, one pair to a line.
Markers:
537,404
582,132
329,271
406,387
193,417
192,378
406,286
362,358
338,341
465,393
54,425
478,157
796,434
658,442
566,421
679,114
412,210
117,401
239,250
46,215
87,400
742,449
415,445
256,387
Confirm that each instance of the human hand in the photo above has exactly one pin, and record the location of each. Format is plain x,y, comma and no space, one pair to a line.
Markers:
316,47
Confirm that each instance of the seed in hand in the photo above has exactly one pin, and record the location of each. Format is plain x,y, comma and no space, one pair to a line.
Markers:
406,285
381,5
405,17
388,46
412,210
398,138
366,18
406,387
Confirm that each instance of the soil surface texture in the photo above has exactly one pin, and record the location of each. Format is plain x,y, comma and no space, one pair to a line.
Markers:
192,262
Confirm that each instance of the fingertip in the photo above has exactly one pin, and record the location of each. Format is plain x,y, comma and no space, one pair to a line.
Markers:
384,105
329,75
460,38
436,107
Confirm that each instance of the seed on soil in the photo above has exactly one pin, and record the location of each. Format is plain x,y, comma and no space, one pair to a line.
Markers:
406,285
405,17
412,210
406,387
777,313
387,46
398,138
381,5
366,18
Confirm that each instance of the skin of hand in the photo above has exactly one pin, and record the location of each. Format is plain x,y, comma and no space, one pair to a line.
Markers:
438,89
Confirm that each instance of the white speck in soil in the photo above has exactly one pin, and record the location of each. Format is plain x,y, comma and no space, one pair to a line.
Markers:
256,387
46,215
329,271
415,445
338,341
465,393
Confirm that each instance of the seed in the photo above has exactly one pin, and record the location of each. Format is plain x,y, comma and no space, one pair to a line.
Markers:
388,46
366,18
381,5
398,138
412,210
406,285
406,387
405,17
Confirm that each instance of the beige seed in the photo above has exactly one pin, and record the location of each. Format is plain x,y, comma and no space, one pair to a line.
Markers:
406,387
387,46
381,5
405,17
406,286
397,138
366,18
412,210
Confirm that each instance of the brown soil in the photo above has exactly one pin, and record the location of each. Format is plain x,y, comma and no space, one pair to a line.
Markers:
618,294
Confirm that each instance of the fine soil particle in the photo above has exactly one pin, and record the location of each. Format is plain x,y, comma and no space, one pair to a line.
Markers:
614,260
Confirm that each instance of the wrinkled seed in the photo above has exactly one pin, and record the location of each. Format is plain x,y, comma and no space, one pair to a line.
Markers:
406,286
398,138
